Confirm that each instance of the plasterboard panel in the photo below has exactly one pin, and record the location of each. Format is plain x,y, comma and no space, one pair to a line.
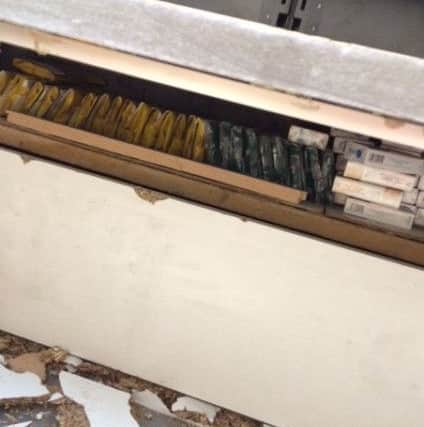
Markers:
287,329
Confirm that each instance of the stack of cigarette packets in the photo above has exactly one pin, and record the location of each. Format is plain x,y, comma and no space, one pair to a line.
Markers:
379,181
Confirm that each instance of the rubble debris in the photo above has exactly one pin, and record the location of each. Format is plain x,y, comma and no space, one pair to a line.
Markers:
36,362
72,360
4,343
11,345
150,400
193,405
71,414
226,418
55,396
68,413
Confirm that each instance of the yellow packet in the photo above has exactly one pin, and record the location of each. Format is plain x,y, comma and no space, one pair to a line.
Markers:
187,150
14,94
4,80
111,121
198,150
81,113
64,106
33,94
166,130
36,69
124,132
45,101
96,120
141,117
151,129
177,141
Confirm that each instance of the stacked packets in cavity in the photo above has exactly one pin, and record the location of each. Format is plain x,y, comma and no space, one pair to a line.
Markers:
300,162
112,116
376,184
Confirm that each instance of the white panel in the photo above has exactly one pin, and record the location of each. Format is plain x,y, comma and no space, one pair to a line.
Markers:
284,328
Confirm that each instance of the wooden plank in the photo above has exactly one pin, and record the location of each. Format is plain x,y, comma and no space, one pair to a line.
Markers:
154,158
287,329
323,113
250,205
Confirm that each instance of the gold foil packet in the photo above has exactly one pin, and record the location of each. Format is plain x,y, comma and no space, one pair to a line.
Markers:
5,78
198,150
141,117
166,130
37,69
112,117
63,107
97,118
34,93
14,94
44,102
189,137
82,111
124,131
177,141
151,129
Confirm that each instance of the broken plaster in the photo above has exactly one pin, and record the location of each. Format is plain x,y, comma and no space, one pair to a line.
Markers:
16,385
104,405
194,405
151,401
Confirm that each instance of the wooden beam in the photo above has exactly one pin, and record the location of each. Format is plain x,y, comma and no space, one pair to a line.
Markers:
157,159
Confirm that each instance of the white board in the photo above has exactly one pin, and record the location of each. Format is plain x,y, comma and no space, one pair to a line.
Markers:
288,329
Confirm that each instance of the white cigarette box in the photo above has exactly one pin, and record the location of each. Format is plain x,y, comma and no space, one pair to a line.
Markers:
400,148
346,134
419,218
308,137
355,152
408,208
379,214
394,162
420,199
410,197
383,177
368,192
421,183
339,199
339,143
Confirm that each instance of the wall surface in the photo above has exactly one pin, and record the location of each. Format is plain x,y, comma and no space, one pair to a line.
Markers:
287,329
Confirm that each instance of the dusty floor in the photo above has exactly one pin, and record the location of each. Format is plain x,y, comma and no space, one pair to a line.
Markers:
43,387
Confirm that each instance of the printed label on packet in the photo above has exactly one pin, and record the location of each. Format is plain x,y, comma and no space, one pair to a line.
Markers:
355,152
395,162
379,214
